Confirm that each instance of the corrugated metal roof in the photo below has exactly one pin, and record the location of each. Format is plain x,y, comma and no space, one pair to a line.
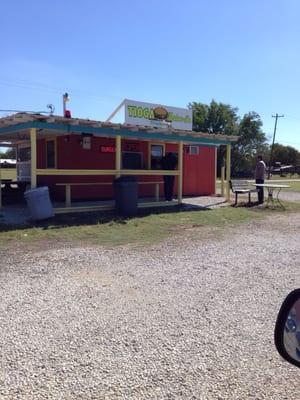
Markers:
23,121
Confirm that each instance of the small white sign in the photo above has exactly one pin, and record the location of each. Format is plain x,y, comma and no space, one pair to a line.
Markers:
86,142
148,114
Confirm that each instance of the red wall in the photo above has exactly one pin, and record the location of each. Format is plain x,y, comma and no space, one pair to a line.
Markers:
198,179
199,172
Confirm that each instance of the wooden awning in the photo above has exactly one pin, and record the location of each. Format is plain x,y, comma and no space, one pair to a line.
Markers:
17,126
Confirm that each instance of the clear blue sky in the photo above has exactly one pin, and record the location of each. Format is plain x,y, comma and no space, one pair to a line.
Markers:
245,53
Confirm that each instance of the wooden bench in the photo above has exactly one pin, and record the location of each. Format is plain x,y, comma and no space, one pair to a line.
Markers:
241,187
156,187
68,186
68,195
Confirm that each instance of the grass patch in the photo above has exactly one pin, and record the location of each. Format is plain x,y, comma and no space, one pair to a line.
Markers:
285,177
109,230
8,173
294,186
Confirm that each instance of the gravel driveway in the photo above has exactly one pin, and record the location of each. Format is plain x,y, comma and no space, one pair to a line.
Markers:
290,196
190,318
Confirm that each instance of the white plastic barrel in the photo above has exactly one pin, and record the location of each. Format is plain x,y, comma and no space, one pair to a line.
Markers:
39,203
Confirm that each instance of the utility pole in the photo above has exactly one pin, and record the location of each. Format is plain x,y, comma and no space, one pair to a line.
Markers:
274,134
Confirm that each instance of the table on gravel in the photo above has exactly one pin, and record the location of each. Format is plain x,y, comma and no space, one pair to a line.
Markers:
271,188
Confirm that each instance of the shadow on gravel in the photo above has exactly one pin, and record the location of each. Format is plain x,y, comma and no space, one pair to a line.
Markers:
99,217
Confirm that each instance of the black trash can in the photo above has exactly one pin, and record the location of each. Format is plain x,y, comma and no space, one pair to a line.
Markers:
126,195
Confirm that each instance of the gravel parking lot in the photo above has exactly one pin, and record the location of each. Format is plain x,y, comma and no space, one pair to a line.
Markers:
190,318
290,196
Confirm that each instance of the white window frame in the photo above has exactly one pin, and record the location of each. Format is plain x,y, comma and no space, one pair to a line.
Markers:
193,150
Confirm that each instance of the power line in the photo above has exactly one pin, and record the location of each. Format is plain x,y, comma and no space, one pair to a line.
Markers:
291,116
27,111
50,111
274,134
37,86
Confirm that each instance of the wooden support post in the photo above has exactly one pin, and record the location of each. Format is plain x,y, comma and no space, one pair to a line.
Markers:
222,180
118,155
33,157
180,168
228,164
0,189
149,156
68,195
157,191
216,168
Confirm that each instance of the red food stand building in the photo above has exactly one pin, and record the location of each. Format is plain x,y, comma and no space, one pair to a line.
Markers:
78,159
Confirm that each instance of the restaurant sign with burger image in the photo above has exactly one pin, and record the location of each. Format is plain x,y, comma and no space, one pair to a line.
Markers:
147,114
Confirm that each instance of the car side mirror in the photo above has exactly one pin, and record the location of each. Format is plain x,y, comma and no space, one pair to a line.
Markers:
287,329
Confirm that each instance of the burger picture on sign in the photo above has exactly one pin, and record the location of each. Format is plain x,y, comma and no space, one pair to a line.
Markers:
160,113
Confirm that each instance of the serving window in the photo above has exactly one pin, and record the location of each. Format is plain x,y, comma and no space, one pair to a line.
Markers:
24,154
157,151
132,160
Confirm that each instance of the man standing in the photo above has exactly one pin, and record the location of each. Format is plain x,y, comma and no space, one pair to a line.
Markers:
260,171
169,162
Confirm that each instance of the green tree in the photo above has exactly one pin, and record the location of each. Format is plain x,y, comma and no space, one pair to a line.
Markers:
215,118
286,155
252,141
224,119
8,153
